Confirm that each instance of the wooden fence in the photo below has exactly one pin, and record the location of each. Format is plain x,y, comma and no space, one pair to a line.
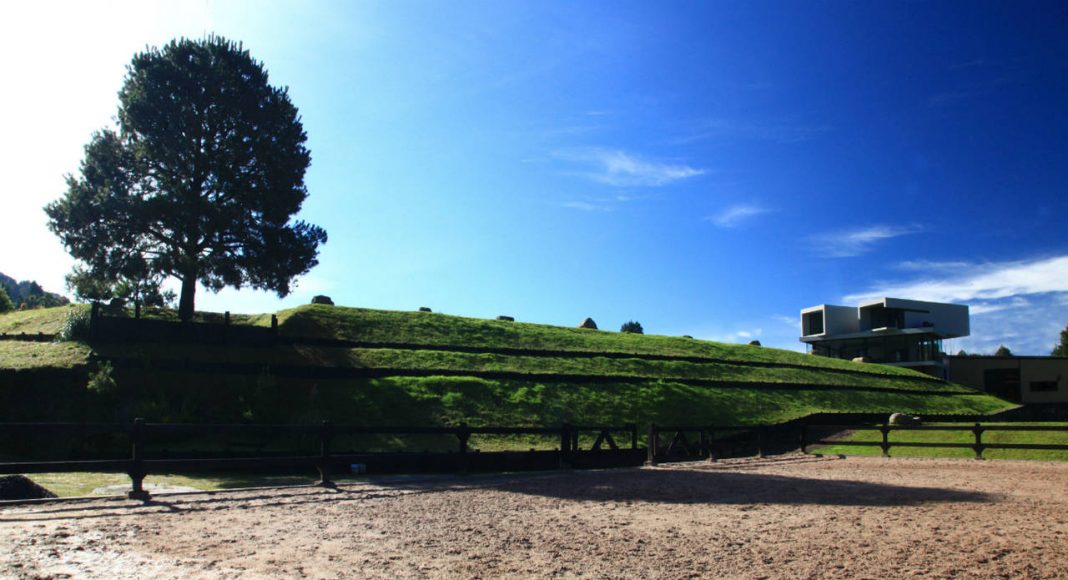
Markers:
30,337
669,443
977,430
690,443
146,456
616,446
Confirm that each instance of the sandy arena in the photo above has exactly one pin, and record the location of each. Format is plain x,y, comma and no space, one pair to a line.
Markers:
793,517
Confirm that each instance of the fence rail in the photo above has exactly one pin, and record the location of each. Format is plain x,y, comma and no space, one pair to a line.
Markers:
668,443
29,337
145,458
665,443
689,442
978,446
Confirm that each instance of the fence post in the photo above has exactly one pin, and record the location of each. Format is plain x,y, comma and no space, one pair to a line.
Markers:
885,445
711,445
633,435
325,435
463,434
94,318
978,447
565,446
652,444
804,439
226,318
137,462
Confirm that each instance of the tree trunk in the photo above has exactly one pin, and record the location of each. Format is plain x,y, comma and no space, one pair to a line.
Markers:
185,303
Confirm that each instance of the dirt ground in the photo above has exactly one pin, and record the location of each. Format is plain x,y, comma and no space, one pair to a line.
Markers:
792,516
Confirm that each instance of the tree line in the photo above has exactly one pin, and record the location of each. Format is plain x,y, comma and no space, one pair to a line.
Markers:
26,294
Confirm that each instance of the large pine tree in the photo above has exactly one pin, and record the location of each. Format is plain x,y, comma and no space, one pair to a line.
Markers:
198,182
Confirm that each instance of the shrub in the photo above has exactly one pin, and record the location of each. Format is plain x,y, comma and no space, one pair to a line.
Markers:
102,380
77,325
632,326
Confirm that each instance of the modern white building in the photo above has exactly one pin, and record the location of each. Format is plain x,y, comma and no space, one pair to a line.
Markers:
893,331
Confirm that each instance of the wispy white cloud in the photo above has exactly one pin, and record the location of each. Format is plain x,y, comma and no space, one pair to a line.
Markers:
980,308
622,169
588,206
732,129
790,321
736,336
605,203
1031,329
985,281
1022,304
859,241
774,331
734,215
933,266
984,78
947,98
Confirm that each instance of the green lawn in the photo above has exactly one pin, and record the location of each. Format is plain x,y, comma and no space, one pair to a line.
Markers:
20,355
44,320
989,437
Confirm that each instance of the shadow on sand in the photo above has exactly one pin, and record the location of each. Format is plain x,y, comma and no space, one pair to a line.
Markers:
730,486
723,484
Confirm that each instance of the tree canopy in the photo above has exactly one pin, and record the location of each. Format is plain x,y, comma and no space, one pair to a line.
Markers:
1062,348
632,326
199,181
1003,351
5,301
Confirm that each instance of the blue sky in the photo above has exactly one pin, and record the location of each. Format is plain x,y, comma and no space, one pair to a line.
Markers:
703,168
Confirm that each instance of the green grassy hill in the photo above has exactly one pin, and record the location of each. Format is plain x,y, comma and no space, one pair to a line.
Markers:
385,367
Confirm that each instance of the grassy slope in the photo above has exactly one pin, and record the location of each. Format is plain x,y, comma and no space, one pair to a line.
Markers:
422,328
667,398
29,355
626,368
44,320
505,402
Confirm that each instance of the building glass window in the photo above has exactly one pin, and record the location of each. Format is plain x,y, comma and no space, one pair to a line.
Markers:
1042,386
1004,383
813,323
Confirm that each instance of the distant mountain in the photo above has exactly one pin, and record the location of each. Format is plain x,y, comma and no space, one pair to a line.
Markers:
30,293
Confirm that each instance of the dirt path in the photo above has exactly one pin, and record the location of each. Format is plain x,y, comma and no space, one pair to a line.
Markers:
785,517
